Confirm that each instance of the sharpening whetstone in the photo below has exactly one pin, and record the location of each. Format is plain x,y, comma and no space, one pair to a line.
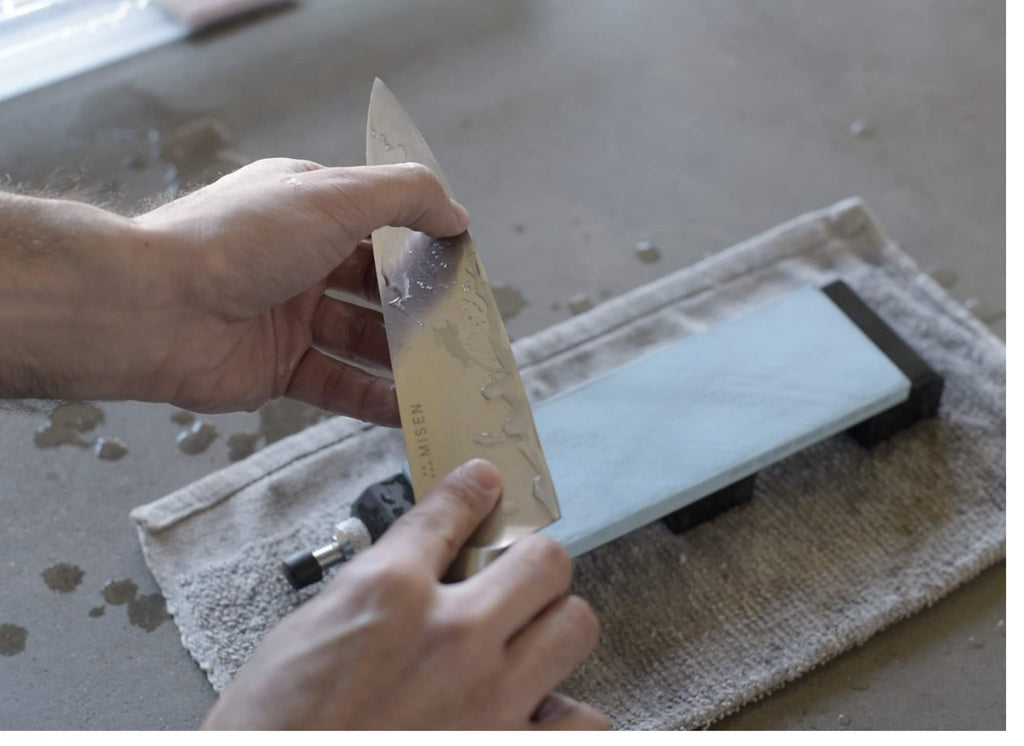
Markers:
706,412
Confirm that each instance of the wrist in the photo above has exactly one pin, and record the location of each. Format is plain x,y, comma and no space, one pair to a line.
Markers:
82,297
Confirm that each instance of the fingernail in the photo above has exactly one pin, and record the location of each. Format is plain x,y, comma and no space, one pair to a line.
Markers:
483,474
461,214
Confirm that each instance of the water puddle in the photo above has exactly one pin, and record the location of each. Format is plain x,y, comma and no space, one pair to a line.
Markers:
110,449
12,639
242,445
67,422
197,438
63,577
646,252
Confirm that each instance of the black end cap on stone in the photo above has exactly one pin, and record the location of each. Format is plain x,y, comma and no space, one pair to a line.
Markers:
926,385
383,503
302,569
708,507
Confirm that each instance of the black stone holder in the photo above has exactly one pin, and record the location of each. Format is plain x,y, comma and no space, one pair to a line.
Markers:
923,402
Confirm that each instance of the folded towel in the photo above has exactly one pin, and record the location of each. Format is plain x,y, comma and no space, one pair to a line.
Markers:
837,543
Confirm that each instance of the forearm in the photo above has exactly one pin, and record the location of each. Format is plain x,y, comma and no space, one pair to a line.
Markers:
79,291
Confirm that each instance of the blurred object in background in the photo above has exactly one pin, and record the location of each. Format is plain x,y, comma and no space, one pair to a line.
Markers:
44,41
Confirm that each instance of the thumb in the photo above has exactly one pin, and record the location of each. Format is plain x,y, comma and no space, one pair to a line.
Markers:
365,198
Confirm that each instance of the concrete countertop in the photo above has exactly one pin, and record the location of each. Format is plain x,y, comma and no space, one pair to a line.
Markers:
572,131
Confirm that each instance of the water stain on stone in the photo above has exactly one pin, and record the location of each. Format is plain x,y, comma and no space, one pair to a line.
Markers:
181,417
242,445
519,228
283,417
97,611
197,438
67,421
605,294
555,306
119,592
148,612
63,577
580,303
646,252
510,301
110,449
12,639
983,311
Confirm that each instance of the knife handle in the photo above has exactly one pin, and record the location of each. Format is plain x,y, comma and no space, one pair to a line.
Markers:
373,512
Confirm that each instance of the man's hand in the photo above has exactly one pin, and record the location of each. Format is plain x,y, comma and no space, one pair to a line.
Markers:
385,645
213,302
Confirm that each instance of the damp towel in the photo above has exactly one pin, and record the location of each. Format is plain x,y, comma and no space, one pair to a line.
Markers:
837,543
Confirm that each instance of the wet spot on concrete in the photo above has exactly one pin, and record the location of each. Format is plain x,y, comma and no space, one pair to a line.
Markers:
646,252
519,228
946,278
63,577
197,438
860,128
605,294
140,147
283,417
67,422
242,445
983,311
110,449
12,639
510,301
555,306
580,303
148,612
97,611
119,592
181,417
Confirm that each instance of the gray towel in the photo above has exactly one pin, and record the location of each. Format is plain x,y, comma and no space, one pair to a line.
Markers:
837,543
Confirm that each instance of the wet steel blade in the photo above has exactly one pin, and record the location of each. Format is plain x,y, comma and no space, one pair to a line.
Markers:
458,384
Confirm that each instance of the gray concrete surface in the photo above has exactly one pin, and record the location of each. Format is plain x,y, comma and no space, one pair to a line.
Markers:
571,130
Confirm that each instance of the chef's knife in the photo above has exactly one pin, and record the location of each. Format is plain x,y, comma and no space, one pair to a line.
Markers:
459,391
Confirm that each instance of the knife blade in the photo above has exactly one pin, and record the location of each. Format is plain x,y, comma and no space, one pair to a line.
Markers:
460,395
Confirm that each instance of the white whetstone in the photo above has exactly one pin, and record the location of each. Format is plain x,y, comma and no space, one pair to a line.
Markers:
683,421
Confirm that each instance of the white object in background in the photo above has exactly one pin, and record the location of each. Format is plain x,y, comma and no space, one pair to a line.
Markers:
44,41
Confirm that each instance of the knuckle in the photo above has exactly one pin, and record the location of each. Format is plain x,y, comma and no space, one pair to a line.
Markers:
395,581
583,619
433,525
549,556
420,173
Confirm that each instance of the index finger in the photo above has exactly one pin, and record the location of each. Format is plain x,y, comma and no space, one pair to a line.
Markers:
434,531
365,198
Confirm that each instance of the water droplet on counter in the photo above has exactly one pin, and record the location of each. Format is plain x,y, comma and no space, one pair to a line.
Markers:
197,438
946,278
119,592
860,128
12,639
844,720
579,304
982,311
510,301
976,642
646,252
97,611
66,422
148,612
63,577
242,445
110,449
181,417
